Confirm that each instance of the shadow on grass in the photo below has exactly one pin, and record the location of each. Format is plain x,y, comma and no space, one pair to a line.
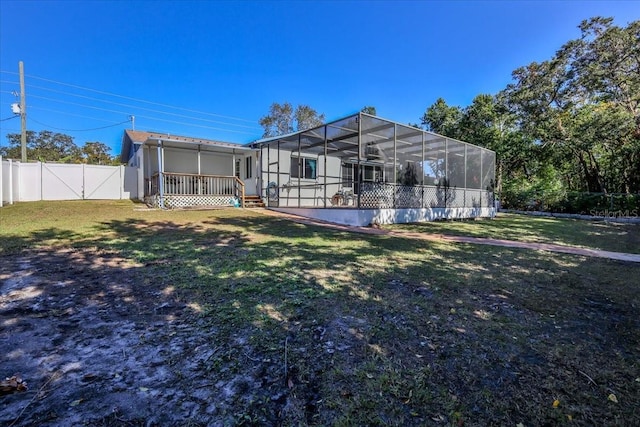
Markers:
571,232
283,323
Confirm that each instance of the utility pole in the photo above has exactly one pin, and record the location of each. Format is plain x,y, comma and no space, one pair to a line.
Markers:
23,114
133,122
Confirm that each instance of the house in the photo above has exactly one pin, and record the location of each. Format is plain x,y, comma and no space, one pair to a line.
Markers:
357,170
177,171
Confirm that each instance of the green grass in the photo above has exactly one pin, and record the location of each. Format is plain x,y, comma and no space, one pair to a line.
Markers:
570,232
382,330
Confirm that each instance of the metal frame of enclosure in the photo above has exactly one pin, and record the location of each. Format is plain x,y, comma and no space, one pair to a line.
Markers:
366,162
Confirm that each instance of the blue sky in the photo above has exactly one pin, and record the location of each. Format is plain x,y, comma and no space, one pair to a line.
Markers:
211,69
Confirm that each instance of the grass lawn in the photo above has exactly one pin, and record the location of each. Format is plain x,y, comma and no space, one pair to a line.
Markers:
603,235
336,328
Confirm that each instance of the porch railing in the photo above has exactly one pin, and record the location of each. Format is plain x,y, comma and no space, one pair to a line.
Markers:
180,184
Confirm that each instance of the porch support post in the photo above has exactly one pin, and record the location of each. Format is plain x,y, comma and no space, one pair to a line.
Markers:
300,170
422,174
266,187
359,177
140,159
233,164
161,174
148,174
395,164
199,172
324,197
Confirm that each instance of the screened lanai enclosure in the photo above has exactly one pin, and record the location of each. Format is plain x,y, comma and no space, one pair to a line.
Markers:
364,169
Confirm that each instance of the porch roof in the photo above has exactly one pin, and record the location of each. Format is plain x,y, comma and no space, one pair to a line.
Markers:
133,137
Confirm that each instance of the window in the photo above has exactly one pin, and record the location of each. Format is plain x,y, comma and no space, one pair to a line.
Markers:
302,167
248,171
237,171
372,173
347,175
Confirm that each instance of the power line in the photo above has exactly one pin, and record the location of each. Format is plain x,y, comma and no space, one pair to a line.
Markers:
131,106
78,130
133,99
36,107
9,118
145,117
194,125
78,105
153,119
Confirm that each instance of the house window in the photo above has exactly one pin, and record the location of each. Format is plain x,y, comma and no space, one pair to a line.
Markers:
347,175
248,171
303,167
237,170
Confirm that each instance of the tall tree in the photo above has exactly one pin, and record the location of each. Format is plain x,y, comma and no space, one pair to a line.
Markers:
488,123
583,106
279,121
442,118
283,119
307,118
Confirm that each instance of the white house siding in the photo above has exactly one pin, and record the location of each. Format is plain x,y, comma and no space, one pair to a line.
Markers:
312,191
250,183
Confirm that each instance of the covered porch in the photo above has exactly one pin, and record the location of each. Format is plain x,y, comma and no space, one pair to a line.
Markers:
178,172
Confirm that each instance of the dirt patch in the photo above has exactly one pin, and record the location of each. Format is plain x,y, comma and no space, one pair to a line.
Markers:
97,345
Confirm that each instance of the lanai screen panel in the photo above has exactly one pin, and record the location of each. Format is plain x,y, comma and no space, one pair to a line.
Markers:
377,155
409,176
434,169
342,151
488,170
408,155
435,159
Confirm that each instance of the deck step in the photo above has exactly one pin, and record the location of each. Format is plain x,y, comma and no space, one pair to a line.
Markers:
253,202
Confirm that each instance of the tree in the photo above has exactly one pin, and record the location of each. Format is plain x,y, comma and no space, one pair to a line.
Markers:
488,123
96,153
583,107
47,146
44,146
369,110
441,118
307,118
283,119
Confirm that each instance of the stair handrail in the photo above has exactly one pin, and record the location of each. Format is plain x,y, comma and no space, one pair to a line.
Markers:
240,189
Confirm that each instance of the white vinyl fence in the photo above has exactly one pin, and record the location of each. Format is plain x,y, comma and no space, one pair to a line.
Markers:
26,182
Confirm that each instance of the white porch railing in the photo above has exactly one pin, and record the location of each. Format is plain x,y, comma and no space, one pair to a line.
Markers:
179,184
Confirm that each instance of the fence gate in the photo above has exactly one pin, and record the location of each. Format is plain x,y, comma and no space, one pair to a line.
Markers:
102,182
62,182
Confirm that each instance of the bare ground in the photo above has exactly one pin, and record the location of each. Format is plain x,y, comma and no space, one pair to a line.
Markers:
94,350
101,344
